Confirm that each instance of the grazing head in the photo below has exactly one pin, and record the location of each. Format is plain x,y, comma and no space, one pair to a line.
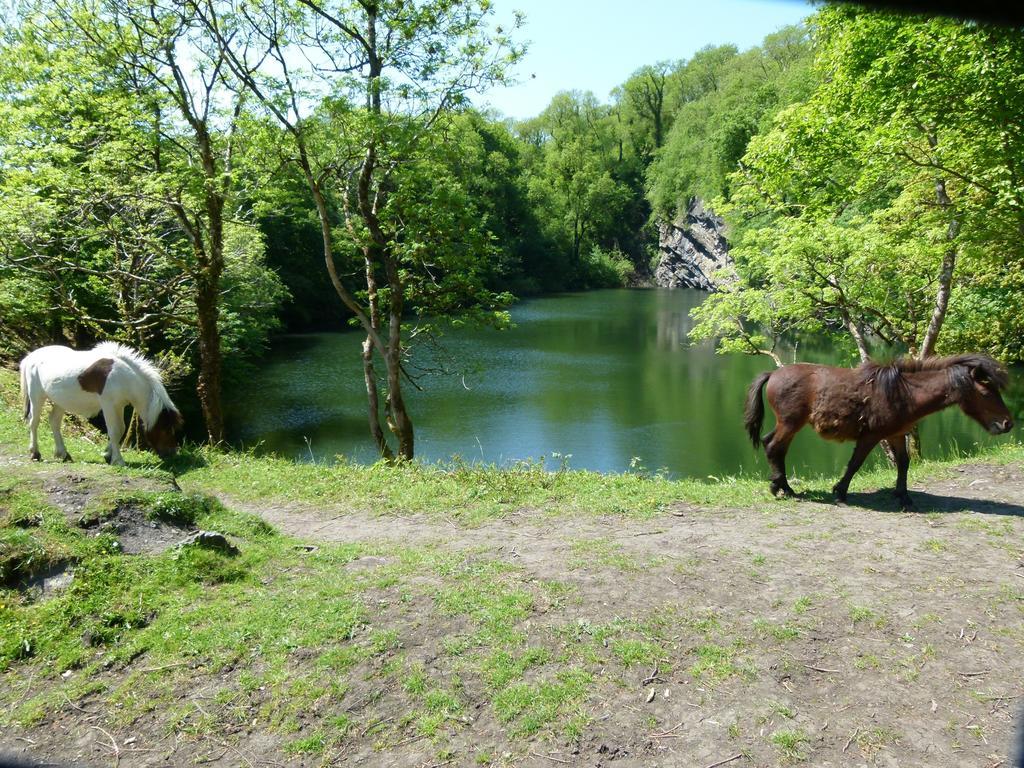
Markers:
978,380
161,420
161,435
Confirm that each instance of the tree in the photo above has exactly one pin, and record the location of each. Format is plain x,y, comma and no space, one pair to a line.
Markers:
393,71
645,100
488,161
875,212
117,182
573,174
724,99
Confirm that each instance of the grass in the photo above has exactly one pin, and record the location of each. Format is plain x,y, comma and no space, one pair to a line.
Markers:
792,743
780,631
529,707
714,663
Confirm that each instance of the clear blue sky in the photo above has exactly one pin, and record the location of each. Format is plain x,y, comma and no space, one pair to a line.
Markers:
594,45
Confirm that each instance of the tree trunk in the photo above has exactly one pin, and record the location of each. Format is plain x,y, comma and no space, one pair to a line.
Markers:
948,265
209,389
399,420
378,251
398,415
369,370
942,293
858,337
941,296
373,402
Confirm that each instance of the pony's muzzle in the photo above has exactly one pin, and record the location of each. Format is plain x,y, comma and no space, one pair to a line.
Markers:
1001,427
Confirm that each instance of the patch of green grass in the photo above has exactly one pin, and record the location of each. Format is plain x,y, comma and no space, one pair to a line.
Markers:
704,622
779,631
862,614
934,545
20,508
384,641
415,681
792,743
501,667
926,619
531,707
312,744
714,662
867,661
777,709
632,652
440,706
496,607
910,666
993,528
575,727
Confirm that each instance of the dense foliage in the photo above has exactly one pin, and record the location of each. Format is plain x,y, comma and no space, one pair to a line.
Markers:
885,209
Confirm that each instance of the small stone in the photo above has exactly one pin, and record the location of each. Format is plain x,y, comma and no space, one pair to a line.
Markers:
210,540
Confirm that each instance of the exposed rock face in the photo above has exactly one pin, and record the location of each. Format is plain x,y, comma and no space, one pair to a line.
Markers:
692,248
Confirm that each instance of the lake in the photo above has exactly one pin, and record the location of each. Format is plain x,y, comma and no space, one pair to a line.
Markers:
605,378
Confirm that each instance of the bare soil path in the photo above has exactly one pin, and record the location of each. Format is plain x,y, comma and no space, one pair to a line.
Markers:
911,644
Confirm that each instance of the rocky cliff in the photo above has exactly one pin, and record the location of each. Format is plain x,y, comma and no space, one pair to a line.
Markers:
692,247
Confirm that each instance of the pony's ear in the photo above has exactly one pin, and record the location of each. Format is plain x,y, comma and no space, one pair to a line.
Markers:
988,372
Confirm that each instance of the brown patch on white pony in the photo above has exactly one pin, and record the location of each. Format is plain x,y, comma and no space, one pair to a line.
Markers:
94,378
160,436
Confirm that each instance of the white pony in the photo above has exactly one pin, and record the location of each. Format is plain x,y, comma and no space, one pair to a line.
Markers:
105,379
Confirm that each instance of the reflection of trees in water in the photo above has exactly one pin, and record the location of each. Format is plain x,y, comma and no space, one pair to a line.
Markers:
673,328
604,376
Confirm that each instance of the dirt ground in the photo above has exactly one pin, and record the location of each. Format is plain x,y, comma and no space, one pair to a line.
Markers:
905,650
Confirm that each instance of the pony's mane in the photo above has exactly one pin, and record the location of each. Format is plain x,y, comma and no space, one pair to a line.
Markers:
888,377
147,370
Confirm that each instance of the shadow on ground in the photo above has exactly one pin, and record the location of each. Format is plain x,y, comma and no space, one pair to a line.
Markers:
886,501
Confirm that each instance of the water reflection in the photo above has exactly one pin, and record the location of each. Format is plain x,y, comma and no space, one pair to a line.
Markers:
604,376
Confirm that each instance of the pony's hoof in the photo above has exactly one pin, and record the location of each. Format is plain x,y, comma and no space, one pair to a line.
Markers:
66,458
906,503
781,490
35,456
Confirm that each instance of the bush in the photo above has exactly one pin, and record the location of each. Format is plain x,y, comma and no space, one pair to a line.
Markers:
606,269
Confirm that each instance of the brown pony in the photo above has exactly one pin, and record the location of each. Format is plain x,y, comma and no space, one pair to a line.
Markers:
871,403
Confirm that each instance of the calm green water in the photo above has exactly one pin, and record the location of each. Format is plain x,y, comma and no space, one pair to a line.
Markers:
605,377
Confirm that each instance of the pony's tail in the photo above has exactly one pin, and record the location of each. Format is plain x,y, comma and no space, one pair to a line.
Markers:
23,370
753,415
